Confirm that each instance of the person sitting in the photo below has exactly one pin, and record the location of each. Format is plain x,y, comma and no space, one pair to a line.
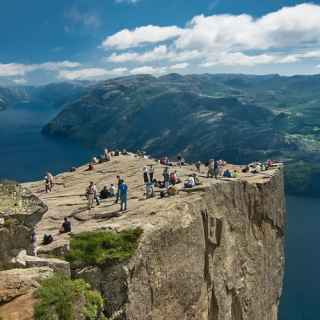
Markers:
196,179
112,190
164,161
189,183
235,174
198,166
90,167
95,160
173,177
227,174
47,239
172,191
66,226
104,193
125,152
246,169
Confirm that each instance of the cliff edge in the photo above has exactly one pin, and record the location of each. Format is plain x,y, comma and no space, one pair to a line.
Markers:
214,252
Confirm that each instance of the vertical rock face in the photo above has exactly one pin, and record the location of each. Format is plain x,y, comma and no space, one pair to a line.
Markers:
221,258
20,211
213,252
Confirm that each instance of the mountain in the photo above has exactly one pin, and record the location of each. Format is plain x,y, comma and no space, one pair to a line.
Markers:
239,118
52,95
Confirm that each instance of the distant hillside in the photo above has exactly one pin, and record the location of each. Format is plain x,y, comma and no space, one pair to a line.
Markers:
52,95
240,118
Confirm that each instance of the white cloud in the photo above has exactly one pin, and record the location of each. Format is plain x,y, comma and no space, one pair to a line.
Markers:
126,39
239,59
286,28
18,69
289,35
157,54
149,70
90,73
158,70
179,66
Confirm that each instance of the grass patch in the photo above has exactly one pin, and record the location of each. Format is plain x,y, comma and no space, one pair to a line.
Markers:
62,298
103,247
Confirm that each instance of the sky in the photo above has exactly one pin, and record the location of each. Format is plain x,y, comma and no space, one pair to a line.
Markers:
44,41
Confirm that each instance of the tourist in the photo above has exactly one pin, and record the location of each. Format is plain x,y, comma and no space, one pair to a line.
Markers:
34,244
227,174
104,193
123,194
66,226
210,173
95,160
151,173
112,190
47,184
173,177
215,169
47,239
198,166
145,175
189,183
91,194
90,167
179,160
166,177
196,179
118,190
235,174
149,190
51,180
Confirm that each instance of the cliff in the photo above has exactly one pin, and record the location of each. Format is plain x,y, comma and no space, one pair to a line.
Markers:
214,252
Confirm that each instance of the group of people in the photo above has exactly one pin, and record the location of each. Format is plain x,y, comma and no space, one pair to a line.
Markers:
119,190
108,192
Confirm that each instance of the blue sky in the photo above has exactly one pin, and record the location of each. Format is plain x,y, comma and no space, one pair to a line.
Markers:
44,41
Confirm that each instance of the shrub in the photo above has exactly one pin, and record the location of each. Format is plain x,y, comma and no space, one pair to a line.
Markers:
60,298
103,247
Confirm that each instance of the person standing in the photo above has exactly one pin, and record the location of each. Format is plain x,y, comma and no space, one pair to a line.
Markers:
118,190
145,175
198,166
151,173
51,180
215,168
123,196
34,244
91,194
166,177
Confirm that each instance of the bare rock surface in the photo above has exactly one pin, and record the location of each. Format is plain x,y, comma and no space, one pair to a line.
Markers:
211,253
16,292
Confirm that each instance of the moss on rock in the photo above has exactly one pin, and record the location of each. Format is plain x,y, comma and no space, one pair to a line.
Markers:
103,247
62,298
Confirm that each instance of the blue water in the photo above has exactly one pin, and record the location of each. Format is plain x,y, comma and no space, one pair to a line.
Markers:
26,155
301,296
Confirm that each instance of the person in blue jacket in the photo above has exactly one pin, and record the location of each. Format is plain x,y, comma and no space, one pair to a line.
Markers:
123,194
